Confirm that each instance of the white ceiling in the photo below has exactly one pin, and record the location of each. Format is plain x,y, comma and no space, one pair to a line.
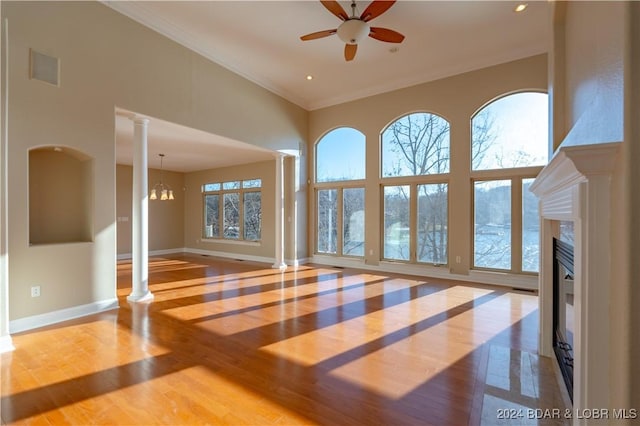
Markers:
260,40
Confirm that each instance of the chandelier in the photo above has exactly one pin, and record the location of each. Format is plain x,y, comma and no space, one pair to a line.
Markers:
165,191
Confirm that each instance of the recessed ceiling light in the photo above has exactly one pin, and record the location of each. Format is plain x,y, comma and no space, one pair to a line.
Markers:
521,7
309,77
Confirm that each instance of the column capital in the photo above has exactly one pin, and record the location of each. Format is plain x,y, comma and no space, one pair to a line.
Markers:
288,153
137,119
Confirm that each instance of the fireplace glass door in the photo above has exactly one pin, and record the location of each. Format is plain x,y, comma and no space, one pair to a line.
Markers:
563,318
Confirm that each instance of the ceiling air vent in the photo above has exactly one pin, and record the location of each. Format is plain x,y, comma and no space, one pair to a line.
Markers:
44,68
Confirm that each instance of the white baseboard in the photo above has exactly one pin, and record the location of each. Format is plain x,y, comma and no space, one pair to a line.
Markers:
6,345
36,321
525,282
167,251
223,254
297,262
226,255
126,256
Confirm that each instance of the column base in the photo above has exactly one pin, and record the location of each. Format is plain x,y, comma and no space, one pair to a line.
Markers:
143,298
6,345
280,266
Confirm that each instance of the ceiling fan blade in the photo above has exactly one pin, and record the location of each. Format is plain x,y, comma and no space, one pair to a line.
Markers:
375,9
318,34
350,51
385,34
335,8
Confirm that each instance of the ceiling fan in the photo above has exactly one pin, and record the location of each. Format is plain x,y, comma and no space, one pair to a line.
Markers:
353,28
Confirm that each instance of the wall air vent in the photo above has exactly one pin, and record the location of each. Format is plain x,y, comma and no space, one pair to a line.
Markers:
44,68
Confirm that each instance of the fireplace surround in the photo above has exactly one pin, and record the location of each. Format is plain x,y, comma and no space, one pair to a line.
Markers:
576,187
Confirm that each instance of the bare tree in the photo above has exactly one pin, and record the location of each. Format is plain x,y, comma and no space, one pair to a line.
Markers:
231,213
212,215
252,207
483,135
353,221
432,223
421,144
327,221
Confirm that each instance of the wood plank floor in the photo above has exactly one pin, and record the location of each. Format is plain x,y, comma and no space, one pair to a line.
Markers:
238,343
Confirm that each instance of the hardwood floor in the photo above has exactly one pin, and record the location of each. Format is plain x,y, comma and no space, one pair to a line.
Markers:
230,342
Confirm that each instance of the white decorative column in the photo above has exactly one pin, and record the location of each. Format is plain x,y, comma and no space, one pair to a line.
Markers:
5,338
279,210
140,215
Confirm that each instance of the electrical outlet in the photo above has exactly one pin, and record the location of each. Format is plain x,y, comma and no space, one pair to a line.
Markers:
35,291
458,259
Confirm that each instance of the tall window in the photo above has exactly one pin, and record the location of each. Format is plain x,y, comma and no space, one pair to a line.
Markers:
509,147
233,210
415,162
340,173
492,216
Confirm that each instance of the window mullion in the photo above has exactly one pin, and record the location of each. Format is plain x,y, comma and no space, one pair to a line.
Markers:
220,215
516,224
316,215
241,214
413,222
339,219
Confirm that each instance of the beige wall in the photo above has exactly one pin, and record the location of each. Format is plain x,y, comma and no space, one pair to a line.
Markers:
166,218
194,214
124,197
594,72
108,61
593,82
456,99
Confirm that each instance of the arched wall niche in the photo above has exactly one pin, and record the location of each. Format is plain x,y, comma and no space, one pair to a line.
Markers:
60,196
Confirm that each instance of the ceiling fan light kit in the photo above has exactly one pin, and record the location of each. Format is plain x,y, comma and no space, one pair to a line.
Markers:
354,29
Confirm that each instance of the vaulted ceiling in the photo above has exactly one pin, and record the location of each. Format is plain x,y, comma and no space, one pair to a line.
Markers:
260,40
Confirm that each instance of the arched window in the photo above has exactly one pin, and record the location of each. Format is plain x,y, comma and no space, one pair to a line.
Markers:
340,155
415,210
511,132
416,144
340,172
509,146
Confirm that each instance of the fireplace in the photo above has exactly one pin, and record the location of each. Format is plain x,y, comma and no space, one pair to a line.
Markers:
575,284
563,310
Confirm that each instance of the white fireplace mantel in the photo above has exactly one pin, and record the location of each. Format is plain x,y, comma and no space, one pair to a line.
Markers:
576,186
569,167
